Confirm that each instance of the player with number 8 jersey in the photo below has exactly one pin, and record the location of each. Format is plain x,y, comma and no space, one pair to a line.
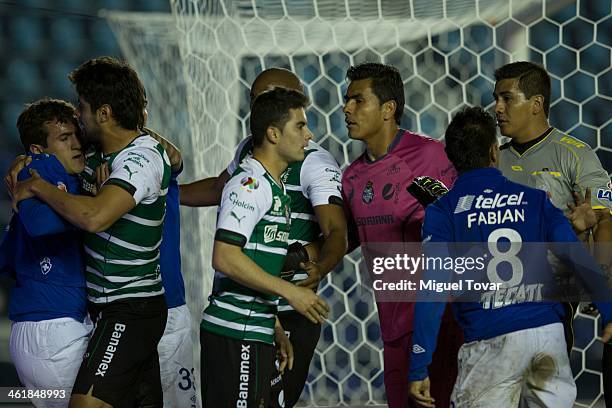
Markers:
516,350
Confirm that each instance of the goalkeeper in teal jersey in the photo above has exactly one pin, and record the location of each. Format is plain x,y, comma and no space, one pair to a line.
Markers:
316,210
544,157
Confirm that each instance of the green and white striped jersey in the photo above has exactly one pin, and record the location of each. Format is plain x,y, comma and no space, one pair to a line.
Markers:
311,182
254,214
559,164
123,261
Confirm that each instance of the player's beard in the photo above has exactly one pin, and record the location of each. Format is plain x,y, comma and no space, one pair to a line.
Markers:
91,136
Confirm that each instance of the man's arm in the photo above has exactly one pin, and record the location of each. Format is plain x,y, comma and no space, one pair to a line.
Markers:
333,226
585,219
232,262
174,154
576,255
437,227
591,179
352,232
602,231
92,214
284,348
602,236
11,176
205,192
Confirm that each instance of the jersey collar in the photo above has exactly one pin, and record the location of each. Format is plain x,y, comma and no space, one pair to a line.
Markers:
469,176
522,148
396,139
263,171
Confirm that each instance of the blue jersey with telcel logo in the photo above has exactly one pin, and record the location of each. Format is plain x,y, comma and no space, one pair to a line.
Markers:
484,206
169,250
45,253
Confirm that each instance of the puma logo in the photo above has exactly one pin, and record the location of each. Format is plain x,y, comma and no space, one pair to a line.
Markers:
129,171
239,219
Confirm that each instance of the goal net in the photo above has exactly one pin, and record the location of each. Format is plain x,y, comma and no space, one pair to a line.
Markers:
198,64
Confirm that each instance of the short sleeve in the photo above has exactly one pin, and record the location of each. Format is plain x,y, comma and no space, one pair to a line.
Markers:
241,208
442,169
320,178
592,174
242,150
139,171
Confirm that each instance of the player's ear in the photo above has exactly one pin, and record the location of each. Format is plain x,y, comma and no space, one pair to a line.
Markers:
272,134
36,149
389,109
104,113
494,155
537,104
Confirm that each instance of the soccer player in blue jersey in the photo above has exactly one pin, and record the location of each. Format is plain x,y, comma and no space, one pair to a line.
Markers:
123,231
517,351
48,304
175,348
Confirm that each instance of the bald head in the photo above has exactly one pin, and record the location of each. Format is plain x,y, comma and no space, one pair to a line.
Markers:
275,77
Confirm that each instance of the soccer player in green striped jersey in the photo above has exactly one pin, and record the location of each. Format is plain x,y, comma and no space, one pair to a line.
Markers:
123,225
317,238
239,326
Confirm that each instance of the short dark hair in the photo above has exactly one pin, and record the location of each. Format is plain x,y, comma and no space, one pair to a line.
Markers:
106,80
469,138
35,115
386,80
271,108
532,79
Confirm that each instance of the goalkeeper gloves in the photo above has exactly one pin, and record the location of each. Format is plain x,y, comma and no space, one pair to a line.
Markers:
426,189
296,254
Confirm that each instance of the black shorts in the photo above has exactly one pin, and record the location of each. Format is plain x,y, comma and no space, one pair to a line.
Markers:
121,364
235,373
304,336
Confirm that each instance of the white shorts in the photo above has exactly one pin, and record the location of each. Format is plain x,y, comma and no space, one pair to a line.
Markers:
528,367
176,360
48,354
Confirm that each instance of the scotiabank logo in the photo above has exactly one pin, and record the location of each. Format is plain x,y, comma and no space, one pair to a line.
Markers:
271,233
466,202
